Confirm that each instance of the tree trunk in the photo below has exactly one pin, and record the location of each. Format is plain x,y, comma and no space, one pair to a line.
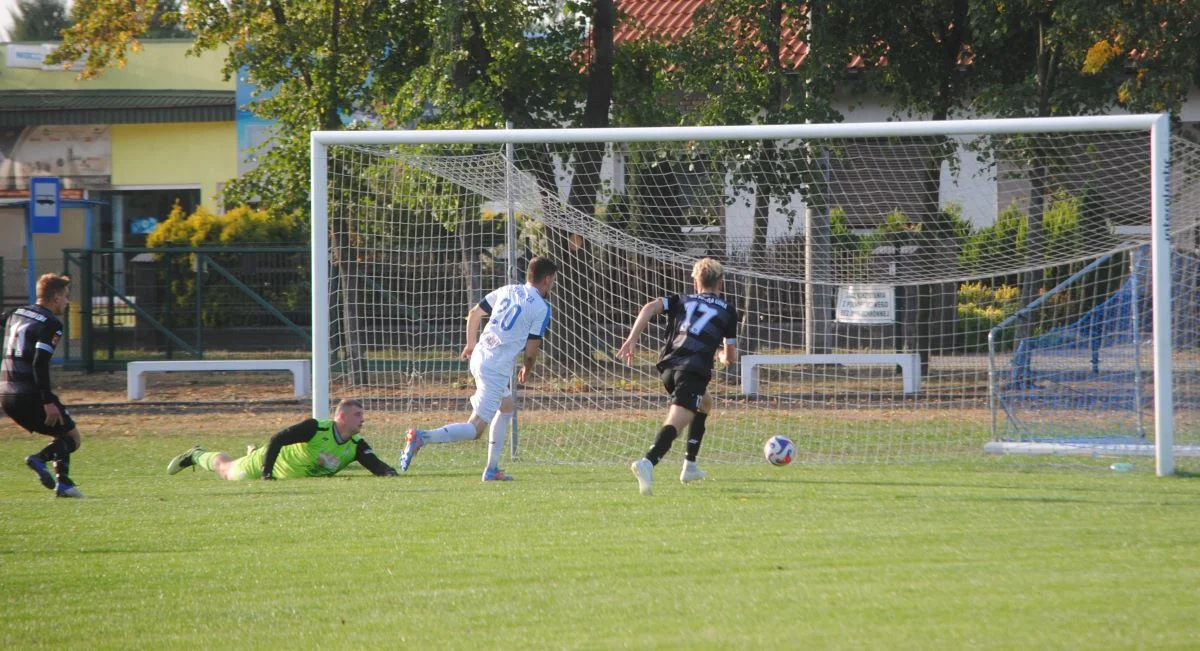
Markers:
575,257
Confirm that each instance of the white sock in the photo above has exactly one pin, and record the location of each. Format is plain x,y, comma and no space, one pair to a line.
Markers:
496,433
449,433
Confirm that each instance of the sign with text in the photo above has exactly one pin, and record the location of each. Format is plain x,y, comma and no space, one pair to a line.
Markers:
866,304
18,55
45,207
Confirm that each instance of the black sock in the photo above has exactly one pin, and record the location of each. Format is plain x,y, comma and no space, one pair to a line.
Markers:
695,436
62,460
51,452
662,444
62,469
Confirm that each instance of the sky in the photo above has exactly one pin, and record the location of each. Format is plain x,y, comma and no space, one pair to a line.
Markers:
6,7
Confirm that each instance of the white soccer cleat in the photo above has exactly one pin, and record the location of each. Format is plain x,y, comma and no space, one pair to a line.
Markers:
644,471
182,461
691,472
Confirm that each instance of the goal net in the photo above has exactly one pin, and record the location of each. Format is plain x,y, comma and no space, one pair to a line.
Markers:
908,291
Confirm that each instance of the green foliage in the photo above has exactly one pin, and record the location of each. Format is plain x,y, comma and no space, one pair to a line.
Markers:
854,254
1004,239
1030,56
949,224
490,62
38,20
910,52
1070,225
730,48
167,21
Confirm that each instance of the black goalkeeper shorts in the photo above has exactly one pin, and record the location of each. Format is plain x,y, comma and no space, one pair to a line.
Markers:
686,388
26,410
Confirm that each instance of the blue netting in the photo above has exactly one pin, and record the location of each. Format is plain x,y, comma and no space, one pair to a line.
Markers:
1090,381
1084,380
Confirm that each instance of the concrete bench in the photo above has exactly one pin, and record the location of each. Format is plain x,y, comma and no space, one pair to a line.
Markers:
910,365
135,380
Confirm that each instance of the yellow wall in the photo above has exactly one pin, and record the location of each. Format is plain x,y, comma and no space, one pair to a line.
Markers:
160,65
176,153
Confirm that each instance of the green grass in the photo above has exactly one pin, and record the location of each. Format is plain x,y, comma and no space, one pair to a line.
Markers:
985,554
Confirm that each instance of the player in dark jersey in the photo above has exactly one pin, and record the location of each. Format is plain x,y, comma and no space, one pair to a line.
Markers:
30,335
699,325
310,448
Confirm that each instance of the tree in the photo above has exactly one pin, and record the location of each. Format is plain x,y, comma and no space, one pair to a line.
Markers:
38,20
531,64
167,21
1147,50
939,59
916,54
1030,58
739,68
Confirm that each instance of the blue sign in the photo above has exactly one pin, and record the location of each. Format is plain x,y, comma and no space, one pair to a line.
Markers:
45,206
143,225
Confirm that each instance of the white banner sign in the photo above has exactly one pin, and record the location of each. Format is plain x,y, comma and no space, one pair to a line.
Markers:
866,304
33,56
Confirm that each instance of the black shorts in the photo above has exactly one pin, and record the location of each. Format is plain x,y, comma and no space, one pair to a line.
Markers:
686,388
27,411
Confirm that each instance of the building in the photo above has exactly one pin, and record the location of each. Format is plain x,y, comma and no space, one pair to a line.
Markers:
125,146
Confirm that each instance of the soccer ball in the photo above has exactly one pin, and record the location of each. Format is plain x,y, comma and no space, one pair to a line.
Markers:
779,450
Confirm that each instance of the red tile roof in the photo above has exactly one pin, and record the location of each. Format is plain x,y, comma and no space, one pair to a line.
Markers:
670,20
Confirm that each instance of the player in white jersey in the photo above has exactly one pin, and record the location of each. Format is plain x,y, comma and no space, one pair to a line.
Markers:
519,317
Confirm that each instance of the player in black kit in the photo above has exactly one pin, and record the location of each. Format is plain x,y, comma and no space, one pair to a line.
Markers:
699,325
30,336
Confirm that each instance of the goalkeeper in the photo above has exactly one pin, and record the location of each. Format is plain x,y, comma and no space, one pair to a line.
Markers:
310,448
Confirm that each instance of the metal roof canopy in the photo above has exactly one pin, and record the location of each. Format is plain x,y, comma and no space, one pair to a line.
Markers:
37,107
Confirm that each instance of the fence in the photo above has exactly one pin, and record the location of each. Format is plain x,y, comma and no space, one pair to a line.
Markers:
191,303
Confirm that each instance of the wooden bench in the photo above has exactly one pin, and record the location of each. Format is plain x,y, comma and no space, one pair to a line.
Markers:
135,380
910,365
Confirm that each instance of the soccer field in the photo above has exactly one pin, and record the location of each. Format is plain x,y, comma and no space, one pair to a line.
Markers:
991,553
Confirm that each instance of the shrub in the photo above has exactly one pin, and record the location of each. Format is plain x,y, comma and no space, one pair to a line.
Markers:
282,280
981,308
242,226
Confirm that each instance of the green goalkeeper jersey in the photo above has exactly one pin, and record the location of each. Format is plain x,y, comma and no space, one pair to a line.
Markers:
309,449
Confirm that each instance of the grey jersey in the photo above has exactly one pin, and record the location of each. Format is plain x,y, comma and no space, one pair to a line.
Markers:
27,331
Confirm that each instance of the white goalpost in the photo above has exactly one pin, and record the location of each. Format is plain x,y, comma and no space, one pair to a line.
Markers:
910,291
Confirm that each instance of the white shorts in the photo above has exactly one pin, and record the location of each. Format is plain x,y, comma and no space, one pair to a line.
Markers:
491,385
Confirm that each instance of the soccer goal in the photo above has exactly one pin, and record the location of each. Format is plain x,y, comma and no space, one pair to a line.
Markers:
909,291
